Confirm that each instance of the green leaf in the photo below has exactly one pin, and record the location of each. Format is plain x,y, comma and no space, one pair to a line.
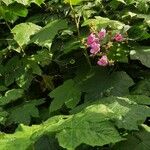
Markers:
122,1
17,9
46,35
68,93
43,57
24,80
24,2
101,82
91,126
25,136
134,117
11,96
142,5
32,65
141,87
21,71
138,32
71,45
146,18
101,22
141,53
3,116
47,143
13,69
12,12
140,99
128,113
73,2
118,52
22,38
136,141
23,113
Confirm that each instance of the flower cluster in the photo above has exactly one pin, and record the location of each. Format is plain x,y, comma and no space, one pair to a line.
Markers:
94,41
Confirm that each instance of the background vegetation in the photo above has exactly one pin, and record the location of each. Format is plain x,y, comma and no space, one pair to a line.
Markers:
53,95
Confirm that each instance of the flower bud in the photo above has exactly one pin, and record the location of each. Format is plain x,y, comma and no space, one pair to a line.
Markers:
102,34
103,61
118,37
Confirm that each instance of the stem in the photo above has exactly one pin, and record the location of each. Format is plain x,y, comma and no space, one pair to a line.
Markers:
8,26
77,22
87,58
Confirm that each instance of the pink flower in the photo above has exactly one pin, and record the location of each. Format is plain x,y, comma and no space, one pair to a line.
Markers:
103,61
102,34
91,39
95,48
118,37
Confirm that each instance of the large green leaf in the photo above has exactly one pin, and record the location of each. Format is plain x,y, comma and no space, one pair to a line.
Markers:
11,96
101,22
129,114
136,141
23,113
12,12
21,71
141,87
101,82
24,2
141,53
46,35
91,126
68,93
136,115
140,99
26,136
23,31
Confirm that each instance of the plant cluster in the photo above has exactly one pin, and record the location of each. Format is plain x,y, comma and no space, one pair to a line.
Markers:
94,41
74,74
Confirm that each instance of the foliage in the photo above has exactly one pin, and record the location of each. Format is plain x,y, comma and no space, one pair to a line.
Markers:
74,74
